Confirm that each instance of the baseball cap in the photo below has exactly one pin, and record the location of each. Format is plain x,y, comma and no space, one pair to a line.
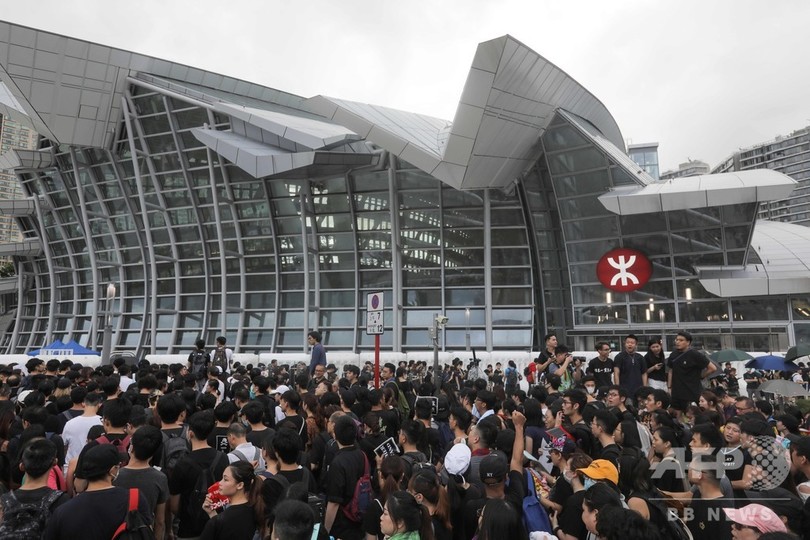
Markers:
99,459
280,389
457,460
757,516
492,469
563,445
601,469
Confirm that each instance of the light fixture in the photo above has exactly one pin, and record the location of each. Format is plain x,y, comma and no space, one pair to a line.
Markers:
647,314
608,298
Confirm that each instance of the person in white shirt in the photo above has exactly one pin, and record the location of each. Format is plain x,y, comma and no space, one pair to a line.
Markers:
242,450
75,432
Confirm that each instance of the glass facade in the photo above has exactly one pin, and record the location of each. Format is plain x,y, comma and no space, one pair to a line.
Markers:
207,209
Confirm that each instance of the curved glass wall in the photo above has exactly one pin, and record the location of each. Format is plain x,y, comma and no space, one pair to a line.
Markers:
197,247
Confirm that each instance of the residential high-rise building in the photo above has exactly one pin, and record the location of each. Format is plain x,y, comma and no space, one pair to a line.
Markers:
788,154
693,167
646,156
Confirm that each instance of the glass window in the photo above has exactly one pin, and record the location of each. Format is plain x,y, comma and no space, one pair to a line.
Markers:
562,137
506,297
800,308
586,229
512,339
643,223
330,318
703,311
380,279
582,207
502,317
759,309
576,160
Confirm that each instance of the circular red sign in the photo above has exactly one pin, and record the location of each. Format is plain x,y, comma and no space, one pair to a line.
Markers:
624,270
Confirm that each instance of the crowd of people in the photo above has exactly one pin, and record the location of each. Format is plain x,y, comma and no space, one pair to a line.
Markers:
623,446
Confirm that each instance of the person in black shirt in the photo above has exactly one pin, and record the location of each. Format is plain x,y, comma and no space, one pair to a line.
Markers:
687,368
602,426
239,521
656,365
602,366
341,478
188,470
96,513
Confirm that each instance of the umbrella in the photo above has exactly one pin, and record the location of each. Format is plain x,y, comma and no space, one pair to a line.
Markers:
784,388
770,362
730,355
797,351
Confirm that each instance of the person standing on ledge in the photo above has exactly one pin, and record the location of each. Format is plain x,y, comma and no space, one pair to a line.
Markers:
318,352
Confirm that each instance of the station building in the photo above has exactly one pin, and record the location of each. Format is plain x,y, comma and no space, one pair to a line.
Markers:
172,203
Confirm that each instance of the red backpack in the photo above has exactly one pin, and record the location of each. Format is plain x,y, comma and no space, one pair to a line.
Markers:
362,496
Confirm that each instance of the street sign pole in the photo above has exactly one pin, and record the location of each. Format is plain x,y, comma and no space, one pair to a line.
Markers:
375,326
377,361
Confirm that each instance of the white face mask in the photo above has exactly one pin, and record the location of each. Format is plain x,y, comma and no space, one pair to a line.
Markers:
590,389
545,411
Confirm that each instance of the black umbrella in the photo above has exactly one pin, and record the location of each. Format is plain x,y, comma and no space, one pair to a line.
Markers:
797,351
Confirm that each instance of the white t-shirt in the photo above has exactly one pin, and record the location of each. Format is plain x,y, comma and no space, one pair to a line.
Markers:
75,434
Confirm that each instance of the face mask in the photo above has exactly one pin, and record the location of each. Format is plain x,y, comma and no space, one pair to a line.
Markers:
252,393
566,477
589,482
590,389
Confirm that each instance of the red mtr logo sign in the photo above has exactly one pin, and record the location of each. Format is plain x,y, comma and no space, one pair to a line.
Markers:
624,270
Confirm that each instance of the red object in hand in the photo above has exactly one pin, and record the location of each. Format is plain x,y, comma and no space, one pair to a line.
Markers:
218,500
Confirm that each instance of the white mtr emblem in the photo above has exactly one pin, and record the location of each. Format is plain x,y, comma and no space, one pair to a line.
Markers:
623,266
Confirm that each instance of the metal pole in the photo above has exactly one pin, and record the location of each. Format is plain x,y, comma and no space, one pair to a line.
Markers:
377,361
437,379
107,339
467,319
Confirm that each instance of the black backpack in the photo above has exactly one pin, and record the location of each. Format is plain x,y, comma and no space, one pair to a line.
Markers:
199,361
175,447
133,527
196,498
220,359
25,521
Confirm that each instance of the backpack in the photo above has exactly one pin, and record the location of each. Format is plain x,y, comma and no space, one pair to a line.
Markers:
257,458
535,517
313,500
667,521
511,376
175,448
196,498
362,496
133,527
122,445
220,359
402,406
25,521
199,361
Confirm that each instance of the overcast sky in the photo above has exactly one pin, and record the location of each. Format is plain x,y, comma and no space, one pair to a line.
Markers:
702,78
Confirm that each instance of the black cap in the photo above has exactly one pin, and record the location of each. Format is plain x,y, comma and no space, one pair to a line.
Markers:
98,460
492,469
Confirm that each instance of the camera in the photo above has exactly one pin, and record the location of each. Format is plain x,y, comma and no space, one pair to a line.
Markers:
441,320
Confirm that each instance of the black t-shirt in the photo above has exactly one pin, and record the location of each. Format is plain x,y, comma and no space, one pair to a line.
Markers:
390,422
218,439
707,520
299,424
570,519
345,470
601,371
256,438
514,493
300,475
659,375
371,519
611,453
94,515
687,367
269,409
237,522
183,480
